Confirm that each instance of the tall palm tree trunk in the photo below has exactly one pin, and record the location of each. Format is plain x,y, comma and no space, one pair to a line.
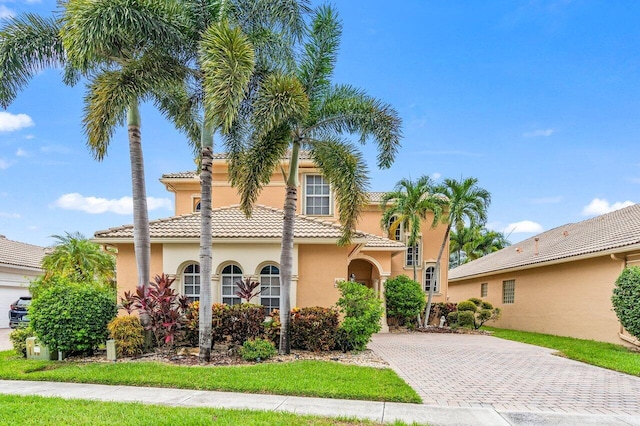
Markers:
437,274
205,245
141,238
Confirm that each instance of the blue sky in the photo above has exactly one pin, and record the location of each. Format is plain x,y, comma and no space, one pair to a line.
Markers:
539,100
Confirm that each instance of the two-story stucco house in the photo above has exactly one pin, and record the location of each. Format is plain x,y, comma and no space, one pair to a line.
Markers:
250,247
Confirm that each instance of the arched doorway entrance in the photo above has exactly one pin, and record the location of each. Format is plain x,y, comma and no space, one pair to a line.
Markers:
368,272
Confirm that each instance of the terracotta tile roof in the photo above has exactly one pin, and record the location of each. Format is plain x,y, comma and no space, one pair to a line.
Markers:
375,197
615,230
230,222
15,253
180,175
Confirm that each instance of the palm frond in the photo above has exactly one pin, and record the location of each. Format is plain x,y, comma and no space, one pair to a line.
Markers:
348,109
227,58
281,99
28,44
320,53
343,166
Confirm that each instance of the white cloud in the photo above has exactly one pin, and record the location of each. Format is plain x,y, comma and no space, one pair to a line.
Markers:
96,205
601,206
436,176
539,133
29,136
5,12
522,227
10,215
21,153
5,164
12,122
547,200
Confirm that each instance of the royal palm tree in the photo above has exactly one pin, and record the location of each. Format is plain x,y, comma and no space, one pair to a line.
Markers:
230,44
484,242
303,110
406,207
124,58
466,202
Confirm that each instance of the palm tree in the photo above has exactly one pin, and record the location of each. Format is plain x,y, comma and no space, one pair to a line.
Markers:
466,201
229,46
410,203
458,240
109,43
303,110
483,243
76,257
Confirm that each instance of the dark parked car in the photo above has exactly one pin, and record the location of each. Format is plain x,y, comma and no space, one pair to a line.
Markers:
18,312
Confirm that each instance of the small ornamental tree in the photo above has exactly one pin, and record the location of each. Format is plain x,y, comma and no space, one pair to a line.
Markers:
72,317
405,299
473,313
626,300
362,311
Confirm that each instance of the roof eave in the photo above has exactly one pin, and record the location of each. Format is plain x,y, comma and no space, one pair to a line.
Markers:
585,256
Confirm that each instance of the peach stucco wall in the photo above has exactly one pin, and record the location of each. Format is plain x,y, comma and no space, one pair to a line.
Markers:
127,276
318,266
567,299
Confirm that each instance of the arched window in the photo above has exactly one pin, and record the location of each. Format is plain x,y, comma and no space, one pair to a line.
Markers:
191,282
270,288
231,274
197,207
397,235
430,279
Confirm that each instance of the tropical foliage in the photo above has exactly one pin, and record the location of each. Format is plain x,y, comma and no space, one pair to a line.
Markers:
626,299
471,243
302,109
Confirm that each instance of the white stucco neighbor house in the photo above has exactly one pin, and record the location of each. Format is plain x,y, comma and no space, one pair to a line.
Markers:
19,264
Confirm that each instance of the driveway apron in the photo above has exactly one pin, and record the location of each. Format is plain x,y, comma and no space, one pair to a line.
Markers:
458,370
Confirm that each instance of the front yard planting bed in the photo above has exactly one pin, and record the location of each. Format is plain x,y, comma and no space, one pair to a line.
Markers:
323,379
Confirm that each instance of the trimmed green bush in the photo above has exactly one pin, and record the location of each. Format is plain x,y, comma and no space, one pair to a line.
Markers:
72,317
405,298
257,350
362,311
314,328
128,334
19,337
467,305
466,319
626,299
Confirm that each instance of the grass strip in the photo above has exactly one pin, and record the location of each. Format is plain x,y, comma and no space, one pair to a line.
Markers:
301,378
35,410
602,354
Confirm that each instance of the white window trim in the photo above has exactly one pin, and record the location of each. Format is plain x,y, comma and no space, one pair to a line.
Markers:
406,254
233,282
196,276
260,275
304,196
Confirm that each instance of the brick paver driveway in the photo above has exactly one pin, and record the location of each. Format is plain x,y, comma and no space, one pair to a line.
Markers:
482,371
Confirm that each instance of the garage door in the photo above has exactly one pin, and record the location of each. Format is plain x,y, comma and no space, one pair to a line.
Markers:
8,295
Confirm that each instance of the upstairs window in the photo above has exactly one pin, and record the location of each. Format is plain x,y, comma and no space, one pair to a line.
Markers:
413,255
397,235
317,196
231,274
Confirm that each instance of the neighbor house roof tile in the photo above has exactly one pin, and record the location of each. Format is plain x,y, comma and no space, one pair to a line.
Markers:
15,253
230,222
611,231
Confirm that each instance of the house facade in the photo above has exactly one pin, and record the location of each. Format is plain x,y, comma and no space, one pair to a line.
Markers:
19,264
561,281
250,247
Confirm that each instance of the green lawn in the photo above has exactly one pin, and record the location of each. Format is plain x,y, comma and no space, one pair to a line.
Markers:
303,378
607,355
33,410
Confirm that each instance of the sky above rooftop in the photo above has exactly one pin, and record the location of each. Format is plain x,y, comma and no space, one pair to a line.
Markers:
539,100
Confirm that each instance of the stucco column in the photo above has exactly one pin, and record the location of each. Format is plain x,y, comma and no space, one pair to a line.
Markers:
215,288
384,327
294,291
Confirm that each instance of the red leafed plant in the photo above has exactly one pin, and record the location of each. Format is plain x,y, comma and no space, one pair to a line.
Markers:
164,307
246,289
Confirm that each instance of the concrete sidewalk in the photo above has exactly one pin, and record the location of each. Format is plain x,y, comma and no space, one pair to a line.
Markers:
377,411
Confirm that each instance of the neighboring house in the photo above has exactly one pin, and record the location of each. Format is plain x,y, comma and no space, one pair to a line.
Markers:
559,282
250,247
19,264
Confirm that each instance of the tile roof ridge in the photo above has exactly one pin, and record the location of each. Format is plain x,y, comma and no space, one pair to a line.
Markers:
4,238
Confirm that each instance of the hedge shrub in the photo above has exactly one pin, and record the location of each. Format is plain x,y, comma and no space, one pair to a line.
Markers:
626,299
257,350
314,328
72,317
238,323
128,334
405,298
362,311
19,337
